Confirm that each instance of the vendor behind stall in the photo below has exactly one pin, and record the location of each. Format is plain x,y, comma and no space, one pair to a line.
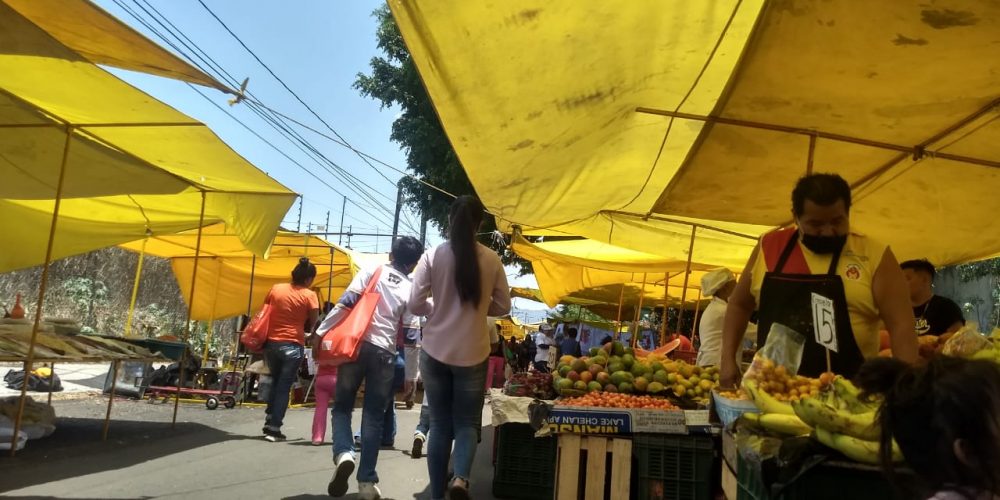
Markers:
718,285
935,314
822,259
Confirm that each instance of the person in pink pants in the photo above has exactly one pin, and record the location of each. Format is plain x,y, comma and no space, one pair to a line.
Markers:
326,385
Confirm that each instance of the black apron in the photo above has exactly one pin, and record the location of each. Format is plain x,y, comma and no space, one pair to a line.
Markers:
787,299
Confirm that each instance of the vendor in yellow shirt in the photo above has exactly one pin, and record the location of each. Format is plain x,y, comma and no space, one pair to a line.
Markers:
793,271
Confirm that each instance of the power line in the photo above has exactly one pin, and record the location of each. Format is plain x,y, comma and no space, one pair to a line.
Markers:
290,91
279,150
272,121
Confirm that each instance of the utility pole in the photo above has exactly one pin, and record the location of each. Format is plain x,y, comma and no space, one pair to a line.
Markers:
298,223
378,237
348,236
327,226
423,222
343,211
399,206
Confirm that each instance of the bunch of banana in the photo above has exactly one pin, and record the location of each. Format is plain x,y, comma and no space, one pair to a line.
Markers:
843,421
776,416
779,423
854,448
764,401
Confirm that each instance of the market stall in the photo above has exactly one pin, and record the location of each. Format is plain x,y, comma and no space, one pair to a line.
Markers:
614,429
92,161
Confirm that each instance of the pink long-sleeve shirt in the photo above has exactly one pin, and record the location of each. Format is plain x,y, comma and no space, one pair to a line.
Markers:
456,333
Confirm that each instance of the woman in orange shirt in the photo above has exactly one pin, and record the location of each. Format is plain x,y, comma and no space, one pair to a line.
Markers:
293,307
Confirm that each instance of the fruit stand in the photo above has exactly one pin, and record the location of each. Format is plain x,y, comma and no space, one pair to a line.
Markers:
625,425
794,437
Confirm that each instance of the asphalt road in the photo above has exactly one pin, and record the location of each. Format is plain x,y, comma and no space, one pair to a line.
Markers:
210,454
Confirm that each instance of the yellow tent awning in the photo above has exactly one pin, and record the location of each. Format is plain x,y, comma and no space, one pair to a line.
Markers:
103,39
600,273
133,165
582,152
902,99
223,287
576,157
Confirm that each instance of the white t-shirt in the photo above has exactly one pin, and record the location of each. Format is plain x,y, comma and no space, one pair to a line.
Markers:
394,288
710,332
540,340
713,318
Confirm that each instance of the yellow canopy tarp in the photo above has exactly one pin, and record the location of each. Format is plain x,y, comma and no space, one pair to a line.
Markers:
601,273
103,39
563,150
133,165
223,287
553,139
904,74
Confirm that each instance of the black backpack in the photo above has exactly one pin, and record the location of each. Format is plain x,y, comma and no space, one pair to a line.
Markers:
15,379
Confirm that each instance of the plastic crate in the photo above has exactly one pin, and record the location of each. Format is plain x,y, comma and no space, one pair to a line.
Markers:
674,467
830,481
729,410
525,465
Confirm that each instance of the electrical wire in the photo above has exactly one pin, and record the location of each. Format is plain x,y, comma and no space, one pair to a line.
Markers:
286,131
274,121
292,92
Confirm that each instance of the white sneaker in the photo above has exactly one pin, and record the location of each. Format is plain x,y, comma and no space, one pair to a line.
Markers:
418,445
344,467
369,491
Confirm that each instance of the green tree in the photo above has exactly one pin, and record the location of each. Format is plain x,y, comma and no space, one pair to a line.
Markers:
394,81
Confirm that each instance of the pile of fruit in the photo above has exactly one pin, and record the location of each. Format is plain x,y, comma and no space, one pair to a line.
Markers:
767,376
617,400
530,385
835,414
615,368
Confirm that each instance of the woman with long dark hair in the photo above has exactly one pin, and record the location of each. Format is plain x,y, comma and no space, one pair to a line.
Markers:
468,282
293,306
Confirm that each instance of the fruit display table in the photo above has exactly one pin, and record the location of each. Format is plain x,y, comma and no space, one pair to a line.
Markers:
816,476
604,452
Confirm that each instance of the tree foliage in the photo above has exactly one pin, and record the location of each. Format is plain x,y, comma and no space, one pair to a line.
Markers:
394,81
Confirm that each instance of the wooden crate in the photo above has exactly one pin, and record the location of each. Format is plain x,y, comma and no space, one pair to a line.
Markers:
594,476
730,486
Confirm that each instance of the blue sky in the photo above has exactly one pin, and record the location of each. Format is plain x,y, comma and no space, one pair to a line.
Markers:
317,48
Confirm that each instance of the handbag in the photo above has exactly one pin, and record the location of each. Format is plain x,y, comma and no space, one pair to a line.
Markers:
255,334
342,343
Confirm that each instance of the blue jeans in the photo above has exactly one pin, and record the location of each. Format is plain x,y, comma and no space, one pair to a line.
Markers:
455,396
375,368
424,425
283,361
398,378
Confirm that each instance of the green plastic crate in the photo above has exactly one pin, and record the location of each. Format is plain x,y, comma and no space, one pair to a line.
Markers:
674,467
823,482
525,465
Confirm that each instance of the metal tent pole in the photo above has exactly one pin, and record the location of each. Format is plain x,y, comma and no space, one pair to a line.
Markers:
135,287
666,307
638,313
43,284
187,324
618,322
687,276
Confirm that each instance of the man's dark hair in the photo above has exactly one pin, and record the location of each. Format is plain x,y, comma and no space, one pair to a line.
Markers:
571,332
406,250
923,265
821,189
